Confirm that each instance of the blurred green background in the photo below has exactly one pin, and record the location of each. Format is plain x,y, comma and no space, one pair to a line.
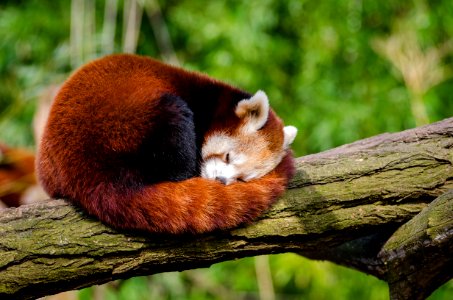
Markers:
338,70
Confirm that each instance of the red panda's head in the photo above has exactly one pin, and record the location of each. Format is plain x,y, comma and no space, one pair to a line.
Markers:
253,148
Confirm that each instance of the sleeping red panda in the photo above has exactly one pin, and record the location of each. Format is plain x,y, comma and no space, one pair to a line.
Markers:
128,137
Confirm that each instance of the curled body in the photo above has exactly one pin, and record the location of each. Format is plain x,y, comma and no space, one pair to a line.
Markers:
128,137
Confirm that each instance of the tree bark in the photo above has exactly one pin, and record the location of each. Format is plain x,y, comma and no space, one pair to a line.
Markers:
419,254
345,205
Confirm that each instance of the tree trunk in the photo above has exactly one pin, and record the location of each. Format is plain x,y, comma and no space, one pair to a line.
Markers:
347,205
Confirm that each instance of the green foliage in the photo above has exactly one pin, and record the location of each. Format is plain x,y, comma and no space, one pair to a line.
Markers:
318,62
31,37
294,277
291,279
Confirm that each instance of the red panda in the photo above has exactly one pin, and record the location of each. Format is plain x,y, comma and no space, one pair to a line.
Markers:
128,137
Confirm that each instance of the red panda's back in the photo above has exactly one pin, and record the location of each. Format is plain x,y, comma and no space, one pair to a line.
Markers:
102,113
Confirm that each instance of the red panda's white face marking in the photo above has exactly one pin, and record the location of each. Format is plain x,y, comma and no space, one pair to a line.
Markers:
247,154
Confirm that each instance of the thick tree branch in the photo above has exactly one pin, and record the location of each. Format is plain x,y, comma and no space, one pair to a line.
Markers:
419,254
342,206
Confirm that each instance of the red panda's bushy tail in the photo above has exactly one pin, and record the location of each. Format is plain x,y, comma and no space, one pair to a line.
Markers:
194,205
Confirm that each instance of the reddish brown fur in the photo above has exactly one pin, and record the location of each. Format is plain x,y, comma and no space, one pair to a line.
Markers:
16,174
98,125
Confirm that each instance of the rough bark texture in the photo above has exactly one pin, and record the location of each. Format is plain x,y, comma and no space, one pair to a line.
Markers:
345,205
419,255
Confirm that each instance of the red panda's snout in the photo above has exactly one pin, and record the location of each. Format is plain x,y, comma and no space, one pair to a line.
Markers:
220,170
254,149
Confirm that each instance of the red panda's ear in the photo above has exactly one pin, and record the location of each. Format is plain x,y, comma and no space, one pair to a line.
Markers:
254,111
289,133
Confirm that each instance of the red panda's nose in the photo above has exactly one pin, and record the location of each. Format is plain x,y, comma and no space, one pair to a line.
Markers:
221,179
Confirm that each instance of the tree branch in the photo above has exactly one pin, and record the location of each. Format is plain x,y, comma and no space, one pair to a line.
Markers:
419,254
342,206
